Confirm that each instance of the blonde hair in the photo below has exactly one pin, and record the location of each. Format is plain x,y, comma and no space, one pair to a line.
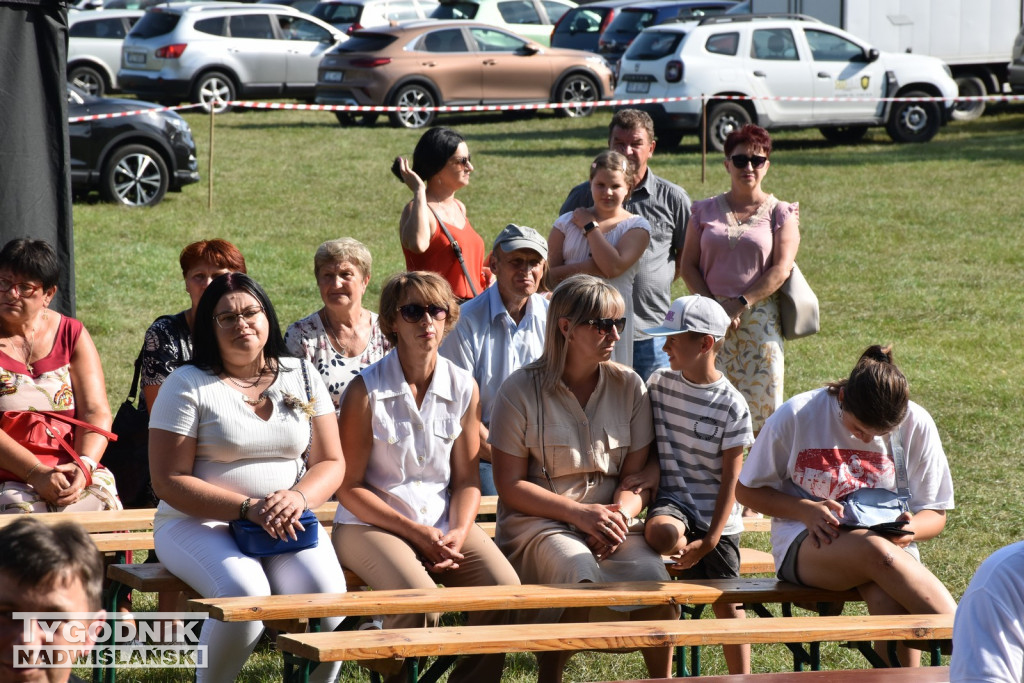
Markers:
433,288
576,298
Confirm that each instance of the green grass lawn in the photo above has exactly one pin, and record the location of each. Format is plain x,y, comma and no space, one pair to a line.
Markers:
915,245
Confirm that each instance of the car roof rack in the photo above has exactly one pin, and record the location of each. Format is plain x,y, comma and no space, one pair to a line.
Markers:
732,18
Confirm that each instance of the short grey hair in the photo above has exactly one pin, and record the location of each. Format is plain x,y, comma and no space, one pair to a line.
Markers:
343,249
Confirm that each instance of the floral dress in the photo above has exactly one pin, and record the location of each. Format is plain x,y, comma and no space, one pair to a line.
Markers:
308,339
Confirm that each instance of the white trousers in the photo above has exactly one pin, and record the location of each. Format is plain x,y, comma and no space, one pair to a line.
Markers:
203,554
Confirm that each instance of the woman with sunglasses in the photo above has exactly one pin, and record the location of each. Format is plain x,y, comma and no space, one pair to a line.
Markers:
244,431
410,430
48,362
435,230
565,430
740,247
603,239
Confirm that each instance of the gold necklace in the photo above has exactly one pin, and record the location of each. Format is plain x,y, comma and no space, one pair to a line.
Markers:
28,345
325,320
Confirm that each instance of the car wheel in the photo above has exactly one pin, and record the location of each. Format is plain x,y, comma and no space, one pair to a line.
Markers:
349,118
724,118
214,90
913,121
970,86
577,88
88,79
135,175
844,134
414,95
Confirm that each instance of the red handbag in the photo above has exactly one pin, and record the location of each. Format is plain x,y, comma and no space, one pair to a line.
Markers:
48,436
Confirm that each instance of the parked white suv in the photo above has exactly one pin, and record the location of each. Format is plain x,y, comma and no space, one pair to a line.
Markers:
214,52
781,56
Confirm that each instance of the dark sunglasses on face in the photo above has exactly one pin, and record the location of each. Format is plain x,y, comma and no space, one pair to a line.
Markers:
413,313
741,160
605,325
462,161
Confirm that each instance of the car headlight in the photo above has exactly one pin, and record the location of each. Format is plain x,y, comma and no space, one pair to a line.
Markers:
599,62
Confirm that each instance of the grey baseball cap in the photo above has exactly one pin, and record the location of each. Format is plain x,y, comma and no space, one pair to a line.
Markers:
521,237
693,313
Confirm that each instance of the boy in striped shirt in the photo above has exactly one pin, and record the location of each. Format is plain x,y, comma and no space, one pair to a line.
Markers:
702,425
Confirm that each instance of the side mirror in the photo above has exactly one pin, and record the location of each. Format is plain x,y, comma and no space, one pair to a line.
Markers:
529,48
873,55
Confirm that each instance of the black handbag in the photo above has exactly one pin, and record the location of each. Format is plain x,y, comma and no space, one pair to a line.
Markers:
128,457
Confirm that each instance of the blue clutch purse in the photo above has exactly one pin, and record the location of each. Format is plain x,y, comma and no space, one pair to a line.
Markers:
254,541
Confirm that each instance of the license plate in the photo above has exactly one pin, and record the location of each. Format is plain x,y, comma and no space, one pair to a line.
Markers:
135,57
638,86
334,76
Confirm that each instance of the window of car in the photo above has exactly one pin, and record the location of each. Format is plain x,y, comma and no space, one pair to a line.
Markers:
519,12
828,47
445,40
154,24
101,28
652,45
297,28
555,10
400,11
583,20
251,26
455,10
723,44
337,12
631,21
490,40
774,44
215,26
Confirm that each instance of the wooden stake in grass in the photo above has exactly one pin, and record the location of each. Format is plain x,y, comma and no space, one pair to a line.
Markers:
209,167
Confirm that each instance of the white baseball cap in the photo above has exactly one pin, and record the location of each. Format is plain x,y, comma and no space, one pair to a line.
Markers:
693,313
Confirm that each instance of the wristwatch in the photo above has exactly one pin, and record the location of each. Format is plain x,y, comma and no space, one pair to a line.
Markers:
588,227
743,300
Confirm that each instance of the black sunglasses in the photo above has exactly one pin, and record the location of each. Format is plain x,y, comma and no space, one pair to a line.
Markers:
605,325
413,313
741,160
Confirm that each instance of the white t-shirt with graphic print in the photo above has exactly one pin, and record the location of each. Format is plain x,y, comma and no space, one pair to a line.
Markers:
805,451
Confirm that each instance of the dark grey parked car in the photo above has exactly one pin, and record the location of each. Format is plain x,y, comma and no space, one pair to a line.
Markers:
132,160
1016,76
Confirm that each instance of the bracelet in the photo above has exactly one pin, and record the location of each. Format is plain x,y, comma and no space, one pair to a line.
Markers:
305,503
625,517
32,471
243,511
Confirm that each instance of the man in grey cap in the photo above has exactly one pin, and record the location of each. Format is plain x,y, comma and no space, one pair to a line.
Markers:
502,329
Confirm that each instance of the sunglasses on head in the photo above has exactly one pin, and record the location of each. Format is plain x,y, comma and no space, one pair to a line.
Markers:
605,325
413,313
741,160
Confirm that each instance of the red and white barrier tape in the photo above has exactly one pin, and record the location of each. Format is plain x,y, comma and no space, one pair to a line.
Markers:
133,112
374,109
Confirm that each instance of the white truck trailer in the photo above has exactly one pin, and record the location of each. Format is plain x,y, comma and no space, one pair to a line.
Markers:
974,37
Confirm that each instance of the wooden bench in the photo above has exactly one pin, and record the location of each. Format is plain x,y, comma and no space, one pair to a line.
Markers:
304,650
925,674
752,591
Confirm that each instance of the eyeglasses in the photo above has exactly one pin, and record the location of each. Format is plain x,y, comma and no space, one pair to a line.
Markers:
24,289
413,313
741,160
605,325
462,161
227,321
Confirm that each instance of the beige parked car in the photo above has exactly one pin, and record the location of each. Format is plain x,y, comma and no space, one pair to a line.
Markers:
432,63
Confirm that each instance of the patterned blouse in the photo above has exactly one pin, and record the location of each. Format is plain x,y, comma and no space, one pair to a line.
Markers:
48,386
308,339
168,346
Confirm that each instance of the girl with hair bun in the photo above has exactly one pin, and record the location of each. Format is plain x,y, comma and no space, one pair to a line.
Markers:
819,448
603,239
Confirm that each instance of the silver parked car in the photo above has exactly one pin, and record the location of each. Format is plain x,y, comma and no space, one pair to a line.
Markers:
94,47
211,53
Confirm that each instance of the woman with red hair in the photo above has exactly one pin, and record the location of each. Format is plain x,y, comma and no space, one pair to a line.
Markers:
740,247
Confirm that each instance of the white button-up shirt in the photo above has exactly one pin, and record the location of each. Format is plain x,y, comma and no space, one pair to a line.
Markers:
488,342
410,465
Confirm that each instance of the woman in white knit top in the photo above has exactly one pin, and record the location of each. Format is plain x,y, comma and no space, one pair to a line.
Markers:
227,438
